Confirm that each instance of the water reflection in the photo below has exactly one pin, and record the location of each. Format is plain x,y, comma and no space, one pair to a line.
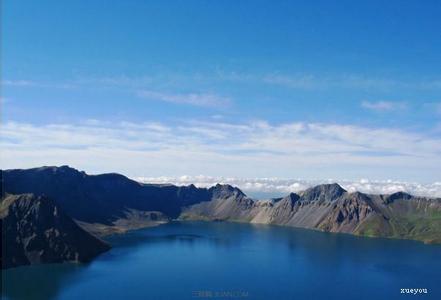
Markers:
200,256
322,248
38,282
174,232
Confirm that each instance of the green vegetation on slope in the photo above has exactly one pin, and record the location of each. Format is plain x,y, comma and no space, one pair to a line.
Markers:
423,225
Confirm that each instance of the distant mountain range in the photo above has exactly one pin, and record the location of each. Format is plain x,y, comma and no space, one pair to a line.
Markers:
109,203
330,208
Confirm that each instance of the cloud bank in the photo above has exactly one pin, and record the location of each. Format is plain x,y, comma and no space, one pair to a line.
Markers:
247,150
383,106
196,99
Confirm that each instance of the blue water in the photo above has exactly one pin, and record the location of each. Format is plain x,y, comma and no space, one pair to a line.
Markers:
198,260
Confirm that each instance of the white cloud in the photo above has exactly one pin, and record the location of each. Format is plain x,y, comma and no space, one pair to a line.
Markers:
306,81
257,149
279,187
344,81
196,99
19,83
299,81
4,100
438,108
382,106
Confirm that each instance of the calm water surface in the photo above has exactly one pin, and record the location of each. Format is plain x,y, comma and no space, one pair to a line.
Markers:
197,260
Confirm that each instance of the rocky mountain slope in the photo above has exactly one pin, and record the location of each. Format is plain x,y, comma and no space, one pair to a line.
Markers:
101,198
107,203
330,208
36,230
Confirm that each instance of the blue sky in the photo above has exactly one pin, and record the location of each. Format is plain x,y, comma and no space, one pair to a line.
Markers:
330,89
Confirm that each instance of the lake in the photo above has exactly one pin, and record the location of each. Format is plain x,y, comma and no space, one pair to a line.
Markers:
202,260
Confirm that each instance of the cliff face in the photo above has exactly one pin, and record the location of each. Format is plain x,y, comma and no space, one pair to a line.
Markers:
103,198
35,230
330,208
110,203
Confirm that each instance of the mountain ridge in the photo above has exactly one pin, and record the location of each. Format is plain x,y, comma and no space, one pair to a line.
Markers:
107,199
331,208
102,198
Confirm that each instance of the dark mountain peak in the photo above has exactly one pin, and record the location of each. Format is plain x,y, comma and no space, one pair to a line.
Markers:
36,230
48,171
104,198
190,194
192,186
187,189
65,169
225,191
114,178
398,196
225,187
291,199
327,192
